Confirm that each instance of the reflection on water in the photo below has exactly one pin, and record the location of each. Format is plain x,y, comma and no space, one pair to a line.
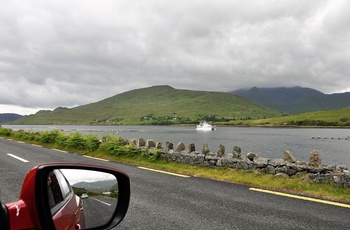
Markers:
333,144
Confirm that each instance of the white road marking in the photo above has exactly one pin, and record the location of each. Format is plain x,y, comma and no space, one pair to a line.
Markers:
95,158
18,158
58,150
101,202
301,197
160,171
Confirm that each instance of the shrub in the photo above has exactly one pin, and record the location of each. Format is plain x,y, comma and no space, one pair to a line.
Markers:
92,142
76,141
344,119
49,136
61,140
308,122
130,150
24,135
117,146
111,144
114,194
5,131
153,154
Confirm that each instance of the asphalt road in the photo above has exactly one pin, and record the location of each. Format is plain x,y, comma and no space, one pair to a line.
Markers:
98,210
164,201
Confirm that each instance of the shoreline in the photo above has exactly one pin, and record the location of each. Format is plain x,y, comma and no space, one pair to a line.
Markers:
193,125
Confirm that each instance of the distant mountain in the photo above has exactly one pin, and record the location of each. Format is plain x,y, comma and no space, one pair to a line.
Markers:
295,100
9,117
157,105
98,186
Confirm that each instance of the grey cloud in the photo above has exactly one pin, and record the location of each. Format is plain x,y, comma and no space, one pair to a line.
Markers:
65,53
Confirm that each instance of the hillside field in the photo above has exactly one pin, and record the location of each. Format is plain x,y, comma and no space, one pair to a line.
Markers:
157,105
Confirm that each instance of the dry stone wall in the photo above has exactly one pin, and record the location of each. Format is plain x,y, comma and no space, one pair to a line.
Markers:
287,166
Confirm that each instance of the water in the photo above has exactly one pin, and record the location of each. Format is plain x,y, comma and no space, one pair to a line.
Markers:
333,144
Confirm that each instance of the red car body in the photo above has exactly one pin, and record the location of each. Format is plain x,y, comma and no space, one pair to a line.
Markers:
71,215
22,213
67,208
32,210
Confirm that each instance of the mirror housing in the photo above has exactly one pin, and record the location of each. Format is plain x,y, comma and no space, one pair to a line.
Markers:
33,207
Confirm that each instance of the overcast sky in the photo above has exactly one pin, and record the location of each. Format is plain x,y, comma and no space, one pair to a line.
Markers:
69,53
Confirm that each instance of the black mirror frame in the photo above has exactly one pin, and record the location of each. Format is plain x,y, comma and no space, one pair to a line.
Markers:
4,217
41,197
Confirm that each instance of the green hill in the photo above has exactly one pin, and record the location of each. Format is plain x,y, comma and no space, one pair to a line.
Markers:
8,117
156,105
295,100
340,117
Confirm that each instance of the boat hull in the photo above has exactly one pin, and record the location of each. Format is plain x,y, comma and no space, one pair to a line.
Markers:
205,127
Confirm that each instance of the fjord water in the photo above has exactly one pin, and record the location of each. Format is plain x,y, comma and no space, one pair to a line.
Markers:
333,144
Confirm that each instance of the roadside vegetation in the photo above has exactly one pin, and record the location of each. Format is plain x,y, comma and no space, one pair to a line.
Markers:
118,149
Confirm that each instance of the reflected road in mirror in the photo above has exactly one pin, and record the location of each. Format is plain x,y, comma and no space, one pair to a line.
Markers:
98,210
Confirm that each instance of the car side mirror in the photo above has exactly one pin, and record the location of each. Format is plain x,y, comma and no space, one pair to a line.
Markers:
72,196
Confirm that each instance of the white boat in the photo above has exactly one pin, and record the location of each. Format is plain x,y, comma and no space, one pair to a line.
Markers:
203,125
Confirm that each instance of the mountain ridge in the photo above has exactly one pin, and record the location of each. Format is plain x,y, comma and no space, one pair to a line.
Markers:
9,117
295,100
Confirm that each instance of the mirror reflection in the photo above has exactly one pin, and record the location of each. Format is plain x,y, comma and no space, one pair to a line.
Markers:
81,199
